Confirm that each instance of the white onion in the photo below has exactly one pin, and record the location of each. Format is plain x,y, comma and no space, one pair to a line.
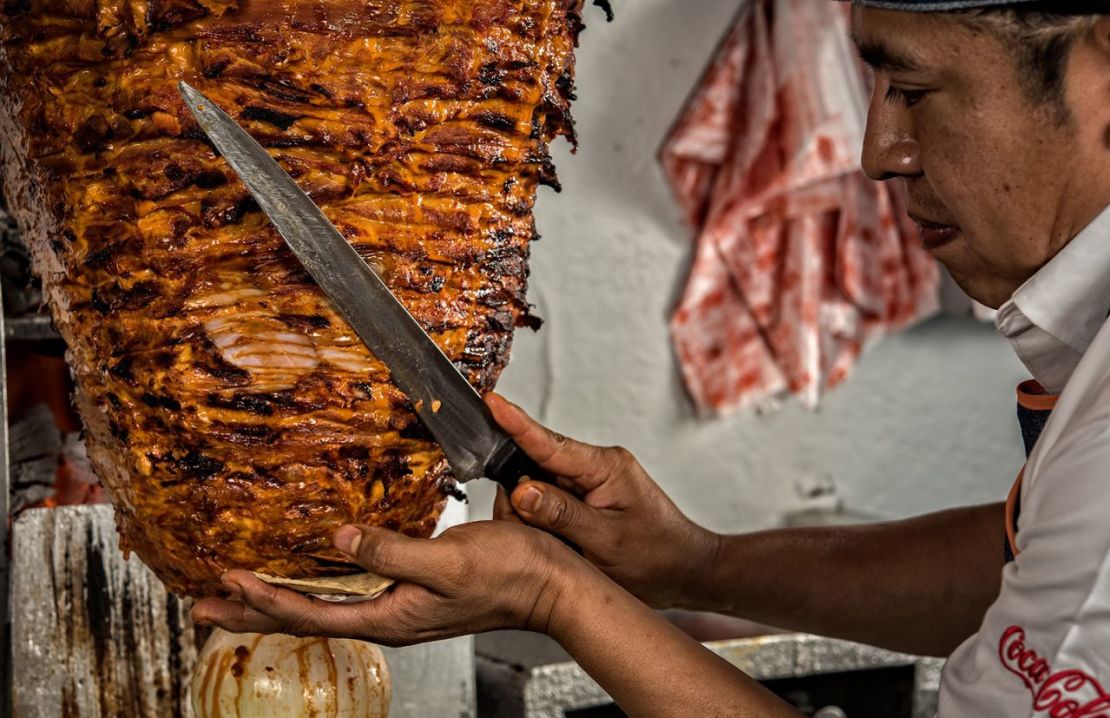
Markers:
254,676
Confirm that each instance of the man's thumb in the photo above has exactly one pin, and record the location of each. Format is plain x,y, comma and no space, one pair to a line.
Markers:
391,554
550,508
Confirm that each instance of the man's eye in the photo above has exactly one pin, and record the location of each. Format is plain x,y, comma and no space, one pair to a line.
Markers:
909,98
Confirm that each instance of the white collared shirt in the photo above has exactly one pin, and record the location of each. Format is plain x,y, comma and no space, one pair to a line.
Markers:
1043,648
1053,318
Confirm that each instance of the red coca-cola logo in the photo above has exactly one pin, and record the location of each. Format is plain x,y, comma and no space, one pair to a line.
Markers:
1063,694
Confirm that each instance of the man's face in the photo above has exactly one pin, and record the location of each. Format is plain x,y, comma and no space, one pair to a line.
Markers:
997,181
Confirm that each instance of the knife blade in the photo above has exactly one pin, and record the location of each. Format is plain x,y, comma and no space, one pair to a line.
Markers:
445,401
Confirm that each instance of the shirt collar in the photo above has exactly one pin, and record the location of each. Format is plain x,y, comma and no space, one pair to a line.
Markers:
1068,299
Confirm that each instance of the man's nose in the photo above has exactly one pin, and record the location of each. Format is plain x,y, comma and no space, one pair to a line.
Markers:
890,147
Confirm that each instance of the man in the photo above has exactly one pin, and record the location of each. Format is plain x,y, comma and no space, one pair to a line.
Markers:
997,119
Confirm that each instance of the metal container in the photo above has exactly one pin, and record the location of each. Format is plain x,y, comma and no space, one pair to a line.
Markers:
527,676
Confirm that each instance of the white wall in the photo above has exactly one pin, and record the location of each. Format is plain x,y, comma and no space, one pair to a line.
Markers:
927,421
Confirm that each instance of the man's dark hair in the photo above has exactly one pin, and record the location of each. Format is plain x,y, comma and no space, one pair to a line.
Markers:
1041,42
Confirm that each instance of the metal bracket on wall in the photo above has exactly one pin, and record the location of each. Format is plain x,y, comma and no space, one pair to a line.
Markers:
33,328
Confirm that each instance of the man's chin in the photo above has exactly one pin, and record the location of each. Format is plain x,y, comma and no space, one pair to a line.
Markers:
985,290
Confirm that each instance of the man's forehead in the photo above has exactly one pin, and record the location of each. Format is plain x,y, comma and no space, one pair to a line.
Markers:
885,39
899,41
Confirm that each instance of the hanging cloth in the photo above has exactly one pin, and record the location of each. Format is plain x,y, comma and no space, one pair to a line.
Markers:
801,260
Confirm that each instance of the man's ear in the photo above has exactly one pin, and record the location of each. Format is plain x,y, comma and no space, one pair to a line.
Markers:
1102,44
1102,34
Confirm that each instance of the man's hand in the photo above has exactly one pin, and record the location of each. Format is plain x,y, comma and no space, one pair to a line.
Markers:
477,577
500,574
611,508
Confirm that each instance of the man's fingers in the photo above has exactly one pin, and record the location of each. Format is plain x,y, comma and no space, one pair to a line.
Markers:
264,608
570,487
233,616
503,508
394,555
294,613
552,509
554,452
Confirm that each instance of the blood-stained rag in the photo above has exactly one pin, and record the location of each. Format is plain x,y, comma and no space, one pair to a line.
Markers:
801,260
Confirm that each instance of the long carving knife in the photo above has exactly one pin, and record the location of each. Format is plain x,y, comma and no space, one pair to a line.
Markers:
445,401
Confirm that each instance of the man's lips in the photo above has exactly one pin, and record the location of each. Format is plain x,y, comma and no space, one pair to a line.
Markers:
933,234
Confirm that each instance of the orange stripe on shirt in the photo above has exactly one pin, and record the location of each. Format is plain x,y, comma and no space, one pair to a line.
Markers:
1032,396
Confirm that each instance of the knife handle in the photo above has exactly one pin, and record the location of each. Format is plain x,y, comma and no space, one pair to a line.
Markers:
510,465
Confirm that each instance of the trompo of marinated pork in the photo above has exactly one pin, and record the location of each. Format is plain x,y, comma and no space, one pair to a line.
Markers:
231,414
